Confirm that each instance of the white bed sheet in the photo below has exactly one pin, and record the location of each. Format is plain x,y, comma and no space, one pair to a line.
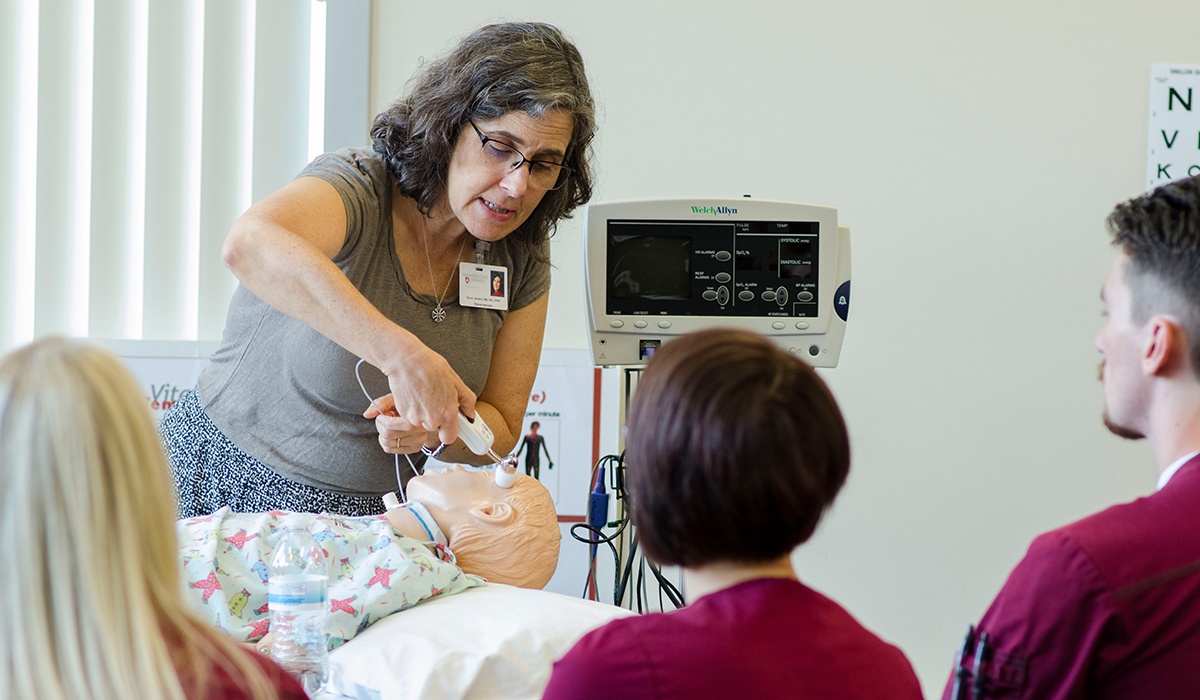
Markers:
495,641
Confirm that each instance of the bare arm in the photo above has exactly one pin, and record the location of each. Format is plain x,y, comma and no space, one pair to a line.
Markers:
281,249
502,403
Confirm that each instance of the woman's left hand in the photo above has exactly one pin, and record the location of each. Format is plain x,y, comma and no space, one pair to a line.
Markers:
396,435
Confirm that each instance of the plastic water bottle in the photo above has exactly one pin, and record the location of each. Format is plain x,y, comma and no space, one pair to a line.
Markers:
298,578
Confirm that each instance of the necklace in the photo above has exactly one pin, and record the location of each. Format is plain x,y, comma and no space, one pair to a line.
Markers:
439,314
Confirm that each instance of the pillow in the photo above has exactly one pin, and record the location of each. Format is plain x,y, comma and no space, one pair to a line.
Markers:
495,641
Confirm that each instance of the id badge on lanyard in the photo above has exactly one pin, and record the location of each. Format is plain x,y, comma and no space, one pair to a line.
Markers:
483,286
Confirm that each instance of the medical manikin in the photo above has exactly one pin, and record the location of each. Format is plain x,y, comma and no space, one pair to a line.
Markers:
457,529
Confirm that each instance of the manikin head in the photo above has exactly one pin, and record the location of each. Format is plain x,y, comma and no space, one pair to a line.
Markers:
734,450
1152,303
506,535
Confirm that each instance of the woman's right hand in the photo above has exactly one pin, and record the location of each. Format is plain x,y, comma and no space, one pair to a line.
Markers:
427,395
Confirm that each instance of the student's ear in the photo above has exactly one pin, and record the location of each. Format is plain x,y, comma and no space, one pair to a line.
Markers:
1164,345
494,514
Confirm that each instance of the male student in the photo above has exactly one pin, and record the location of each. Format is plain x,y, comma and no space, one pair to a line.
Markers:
1110,606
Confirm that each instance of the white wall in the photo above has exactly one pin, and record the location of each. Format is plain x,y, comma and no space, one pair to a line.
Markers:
974,149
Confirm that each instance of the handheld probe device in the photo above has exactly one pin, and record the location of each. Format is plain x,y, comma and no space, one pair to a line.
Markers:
475,433
478,438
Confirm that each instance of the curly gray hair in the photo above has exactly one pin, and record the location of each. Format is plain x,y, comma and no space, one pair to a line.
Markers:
500,68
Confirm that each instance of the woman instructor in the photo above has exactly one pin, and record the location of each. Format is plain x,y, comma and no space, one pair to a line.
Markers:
359,257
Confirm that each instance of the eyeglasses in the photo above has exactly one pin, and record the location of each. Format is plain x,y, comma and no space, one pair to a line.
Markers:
543,174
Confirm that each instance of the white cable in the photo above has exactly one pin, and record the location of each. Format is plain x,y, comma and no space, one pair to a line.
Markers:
412,466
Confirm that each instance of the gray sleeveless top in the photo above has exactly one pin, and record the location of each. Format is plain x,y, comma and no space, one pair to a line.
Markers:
287,396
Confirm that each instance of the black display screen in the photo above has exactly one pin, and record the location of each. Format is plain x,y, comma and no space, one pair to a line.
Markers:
650,267
711,268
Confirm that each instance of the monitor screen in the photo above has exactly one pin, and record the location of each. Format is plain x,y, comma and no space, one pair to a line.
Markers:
650,267
712,268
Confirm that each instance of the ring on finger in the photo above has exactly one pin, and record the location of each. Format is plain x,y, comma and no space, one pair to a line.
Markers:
397,443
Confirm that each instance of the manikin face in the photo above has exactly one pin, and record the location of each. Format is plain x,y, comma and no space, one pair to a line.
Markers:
455,495
1120,342
493,204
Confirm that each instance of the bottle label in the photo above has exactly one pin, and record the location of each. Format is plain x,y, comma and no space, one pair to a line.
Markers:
296,593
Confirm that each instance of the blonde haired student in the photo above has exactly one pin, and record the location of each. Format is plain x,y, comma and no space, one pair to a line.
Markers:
91,584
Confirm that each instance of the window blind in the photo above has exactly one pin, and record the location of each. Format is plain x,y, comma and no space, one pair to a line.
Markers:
133,133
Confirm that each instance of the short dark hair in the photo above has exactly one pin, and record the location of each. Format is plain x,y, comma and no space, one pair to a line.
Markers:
1160,232
734,450
501,68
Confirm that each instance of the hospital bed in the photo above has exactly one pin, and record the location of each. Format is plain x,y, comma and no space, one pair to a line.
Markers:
495,641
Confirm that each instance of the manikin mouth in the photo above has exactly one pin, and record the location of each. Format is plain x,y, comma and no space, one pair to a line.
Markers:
495,207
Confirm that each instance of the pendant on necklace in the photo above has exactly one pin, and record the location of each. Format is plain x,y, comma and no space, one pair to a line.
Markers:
439,314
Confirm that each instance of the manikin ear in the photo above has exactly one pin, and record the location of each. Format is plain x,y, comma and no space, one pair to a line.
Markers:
494,514
1164,344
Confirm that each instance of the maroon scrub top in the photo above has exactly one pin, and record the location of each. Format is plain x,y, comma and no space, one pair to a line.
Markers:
1107,607
764,639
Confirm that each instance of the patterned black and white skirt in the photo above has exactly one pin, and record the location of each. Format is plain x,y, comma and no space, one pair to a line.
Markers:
210,472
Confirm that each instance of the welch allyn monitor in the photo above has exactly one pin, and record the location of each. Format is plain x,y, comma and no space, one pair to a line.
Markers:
660,268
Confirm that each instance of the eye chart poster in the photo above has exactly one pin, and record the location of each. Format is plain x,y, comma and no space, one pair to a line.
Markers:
1174,151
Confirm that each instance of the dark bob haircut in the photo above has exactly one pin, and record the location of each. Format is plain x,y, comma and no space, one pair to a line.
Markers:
734,450
1160,232
500,68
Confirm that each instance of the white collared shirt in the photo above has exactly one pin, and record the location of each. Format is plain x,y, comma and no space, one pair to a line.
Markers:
1170,471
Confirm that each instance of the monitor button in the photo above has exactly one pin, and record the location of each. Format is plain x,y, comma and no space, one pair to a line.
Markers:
778,325
709,295
781,295
723,255
723,277
640,324
746,295
805,296
801,325
617,324
723,296
768,295
664,324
